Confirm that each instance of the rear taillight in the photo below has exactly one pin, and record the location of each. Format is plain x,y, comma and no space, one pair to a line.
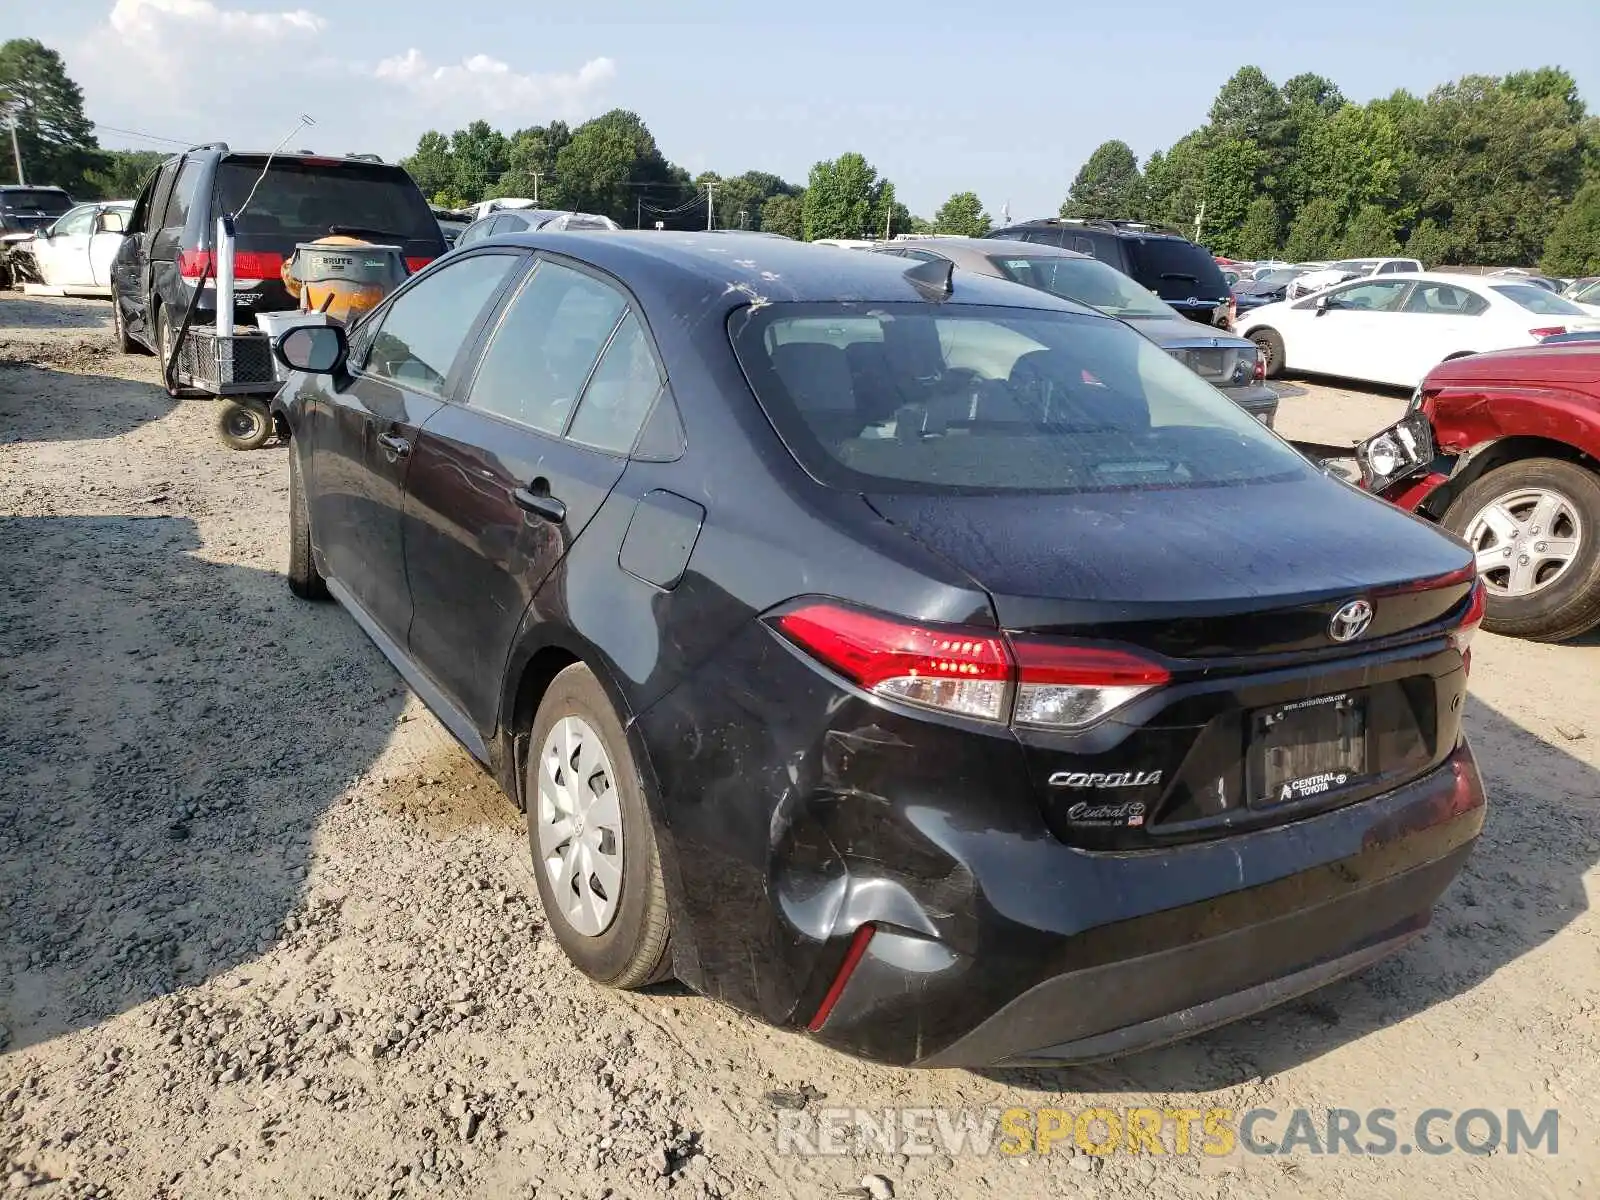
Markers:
256,265
195,264
416,264
976,673
1461,636
1261,365
249,266
1547,331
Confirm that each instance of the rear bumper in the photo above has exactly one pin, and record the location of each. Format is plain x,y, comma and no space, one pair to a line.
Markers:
1144,949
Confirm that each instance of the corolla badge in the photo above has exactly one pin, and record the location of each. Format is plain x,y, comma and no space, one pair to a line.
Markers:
1351,621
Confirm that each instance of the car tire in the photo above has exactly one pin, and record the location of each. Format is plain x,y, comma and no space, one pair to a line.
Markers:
244,424
305,580
592,838
163,324
1566,602
1270,343
119,331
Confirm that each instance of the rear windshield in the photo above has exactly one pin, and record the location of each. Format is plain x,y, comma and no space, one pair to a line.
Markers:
48,200
1537,300
304,201
972,399
1175,269
1086,280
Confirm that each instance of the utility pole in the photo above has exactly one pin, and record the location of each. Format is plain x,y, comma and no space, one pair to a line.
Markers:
1199,220
744,218
16,150
638,212
536,175
711,208
888,220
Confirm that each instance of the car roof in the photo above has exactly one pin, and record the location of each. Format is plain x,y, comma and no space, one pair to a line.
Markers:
702,269
981,246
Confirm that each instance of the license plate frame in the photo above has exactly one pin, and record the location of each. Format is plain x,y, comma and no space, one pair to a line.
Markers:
1307,748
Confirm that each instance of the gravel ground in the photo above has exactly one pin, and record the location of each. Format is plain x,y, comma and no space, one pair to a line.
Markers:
265,930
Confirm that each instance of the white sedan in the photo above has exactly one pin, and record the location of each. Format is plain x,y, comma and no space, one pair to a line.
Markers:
72,256
1396,328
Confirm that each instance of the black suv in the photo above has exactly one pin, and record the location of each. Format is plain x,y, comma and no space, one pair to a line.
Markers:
26,209
292,198
1169,264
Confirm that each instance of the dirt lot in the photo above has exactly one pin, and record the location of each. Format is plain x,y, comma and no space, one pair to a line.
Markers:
265,931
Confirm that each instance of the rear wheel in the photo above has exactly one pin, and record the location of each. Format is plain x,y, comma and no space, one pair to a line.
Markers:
1535,528
592,838
164,339
1270,343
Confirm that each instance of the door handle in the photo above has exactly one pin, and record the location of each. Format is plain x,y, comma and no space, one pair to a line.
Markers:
395,445
537,500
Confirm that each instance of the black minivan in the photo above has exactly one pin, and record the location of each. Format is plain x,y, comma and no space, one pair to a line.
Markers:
278,201
1169,264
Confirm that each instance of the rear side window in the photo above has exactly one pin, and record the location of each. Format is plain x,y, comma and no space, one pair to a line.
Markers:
302,201
545,347
184,194
968,399
620,394
1443,299
1175,269
1537,300
421,332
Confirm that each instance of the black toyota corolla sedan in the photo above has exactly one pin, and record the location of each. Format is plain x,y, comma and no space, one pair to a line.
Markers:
907,657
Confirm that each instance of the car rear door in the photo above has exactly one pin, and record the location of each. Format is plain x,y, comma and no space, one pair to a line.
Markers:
505,482
363,431
1434,321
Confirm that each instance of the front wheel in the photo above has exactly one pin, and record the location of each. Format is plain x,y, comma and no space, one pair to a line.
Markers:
592,837
1270,344
1535,528
244,424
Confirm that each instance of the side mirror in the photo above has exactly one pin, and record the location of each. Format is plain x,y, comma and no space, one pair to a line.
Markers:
316,349
111,222
1323,305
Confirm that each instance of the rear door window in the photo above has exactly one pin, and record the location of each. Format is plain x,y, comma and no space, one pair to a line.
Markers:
1175,269
545,347
1444,299
417,339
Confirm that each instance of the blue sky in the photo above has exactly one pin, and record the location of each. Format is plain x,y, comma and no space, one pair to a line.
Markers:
1007,102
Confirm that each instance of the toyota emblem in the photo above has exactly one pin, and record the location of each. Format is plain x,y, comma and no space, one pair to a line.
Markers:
1351,621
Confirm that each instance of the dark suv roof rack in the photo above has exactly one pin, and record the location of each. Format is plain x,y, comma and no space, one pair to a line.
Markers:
377,158
1114,223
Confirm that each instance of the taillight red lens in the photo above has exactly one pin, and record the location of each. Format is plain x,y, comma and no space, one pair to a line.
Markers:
958,670
1547,331
972,672
1461,636
195,264
256,264
416,264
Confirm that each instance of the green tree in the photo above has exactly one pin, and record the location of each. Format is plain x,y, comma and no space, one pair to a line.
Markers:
56,140
1429,244
1174,183
123,175
1232,169
963,214
1315,232
1261,232
1249,108
431,164
842,199
1573,247
612,163
531,164
1369,234
785,214
478,155
1108,185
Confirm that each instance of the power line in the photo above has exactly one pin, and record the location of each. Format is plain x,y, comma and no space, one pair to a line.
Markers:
149,137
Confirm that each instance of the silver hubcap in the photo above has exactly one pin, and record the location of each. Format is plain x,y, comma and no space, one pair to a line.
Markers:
1525,541
580,826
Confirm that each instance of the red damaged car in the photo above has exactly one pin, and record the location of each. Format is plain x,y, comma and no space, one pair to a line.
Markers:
1503,449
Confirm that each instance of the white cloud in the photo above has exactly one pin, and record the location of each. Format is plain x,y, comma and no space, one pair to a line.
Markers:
144,19
482,85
